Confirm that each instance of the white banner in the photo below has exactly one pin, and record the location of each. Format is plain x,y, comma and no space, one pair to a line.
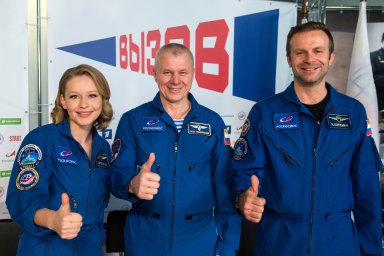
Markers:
14,119
239,49
361,85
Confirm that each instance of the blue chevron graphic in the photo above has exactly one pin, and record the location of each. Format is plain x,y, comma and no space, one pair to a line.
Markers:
102,50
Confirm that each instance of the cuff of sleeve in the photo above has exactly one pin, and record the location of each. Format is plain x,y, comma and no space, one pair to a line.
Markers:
29,223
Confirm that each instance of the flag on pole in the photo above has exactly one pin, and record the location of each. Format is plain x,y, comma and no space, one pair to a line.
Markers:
361,85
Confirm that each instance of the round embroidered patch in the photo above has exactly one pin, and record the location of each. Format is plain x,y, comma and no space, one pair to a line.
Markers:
246,126
240,149
29,156
27,179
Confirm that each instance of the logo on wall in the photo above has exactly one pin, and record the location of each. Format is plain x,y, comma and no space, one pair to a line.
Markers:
241,115
107,134
228,128
1,138
14,138
10,157
254,59
11,154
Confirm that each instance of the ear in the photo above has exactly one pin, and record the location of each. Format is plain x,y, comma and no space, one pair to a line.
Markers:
62,101
154,75
331,58
289,61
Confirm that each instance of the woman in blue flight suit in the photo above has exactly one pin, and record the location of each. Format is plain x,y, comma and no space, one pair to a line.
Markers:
59,186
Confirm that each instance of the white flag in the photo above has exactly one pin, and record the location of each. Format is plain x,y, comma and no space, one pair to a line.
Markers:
361,85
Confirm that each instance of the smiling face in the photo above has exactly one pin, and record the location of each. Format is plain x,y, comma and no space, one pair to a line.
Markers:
82,101
174,76
310,58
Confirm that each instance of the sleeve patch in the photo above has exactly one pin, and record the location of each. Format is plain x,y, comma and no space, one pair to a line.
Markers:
241,149
116,146
29,156
27,179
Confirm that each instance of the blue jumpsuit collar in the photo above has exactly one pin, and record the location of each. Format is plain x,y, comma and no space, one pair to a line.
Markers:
65,129
291,96
195,110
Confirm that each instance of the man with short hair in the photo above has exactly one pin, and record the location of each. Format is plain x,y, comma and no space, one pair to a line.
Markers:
309,152
171,162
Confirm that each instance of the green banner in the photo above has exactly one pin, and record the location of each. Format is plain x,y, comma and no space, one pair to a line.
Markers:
5,173
10,121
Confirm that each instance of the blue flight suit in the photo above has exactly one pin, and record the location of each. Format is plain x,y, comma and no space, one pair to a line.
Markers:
313,175
193,213
50,162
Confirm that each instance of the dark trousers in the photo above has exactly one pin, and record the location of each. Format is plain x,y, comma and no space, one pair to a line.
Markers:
247,238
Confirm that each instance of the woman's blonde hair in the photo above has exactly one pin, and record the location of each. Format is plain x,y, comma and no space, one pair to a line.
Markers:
59,113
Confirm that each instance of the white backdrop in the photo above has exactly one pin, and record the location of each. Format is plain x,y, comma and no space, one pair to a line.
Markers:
119,37
14,119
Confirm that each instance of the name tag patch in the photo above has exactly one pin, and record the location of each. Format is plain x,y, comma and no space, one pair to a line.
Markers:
199,129
102,161
152,124
336,121
65,155
286,121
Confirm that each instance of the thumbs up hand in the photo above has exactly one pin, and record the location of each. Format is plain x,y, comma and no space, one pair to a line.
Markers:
254,184
250,205
146,183
65,206
67,224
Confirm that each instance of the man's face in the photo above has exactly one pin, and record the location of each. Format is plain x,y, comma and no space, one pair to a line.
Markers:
309,57
174,76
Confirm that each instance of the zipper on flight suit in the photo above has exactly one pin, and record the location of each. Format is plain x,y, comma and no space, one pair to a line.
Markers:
174,194
90,178
71,197
313,195
73,200
314,179
287,157
91,162
333,162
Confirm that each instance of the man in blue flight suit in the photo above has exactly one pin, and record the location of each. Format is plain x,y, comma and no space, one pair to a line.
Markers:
171,161
312,152
377,61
